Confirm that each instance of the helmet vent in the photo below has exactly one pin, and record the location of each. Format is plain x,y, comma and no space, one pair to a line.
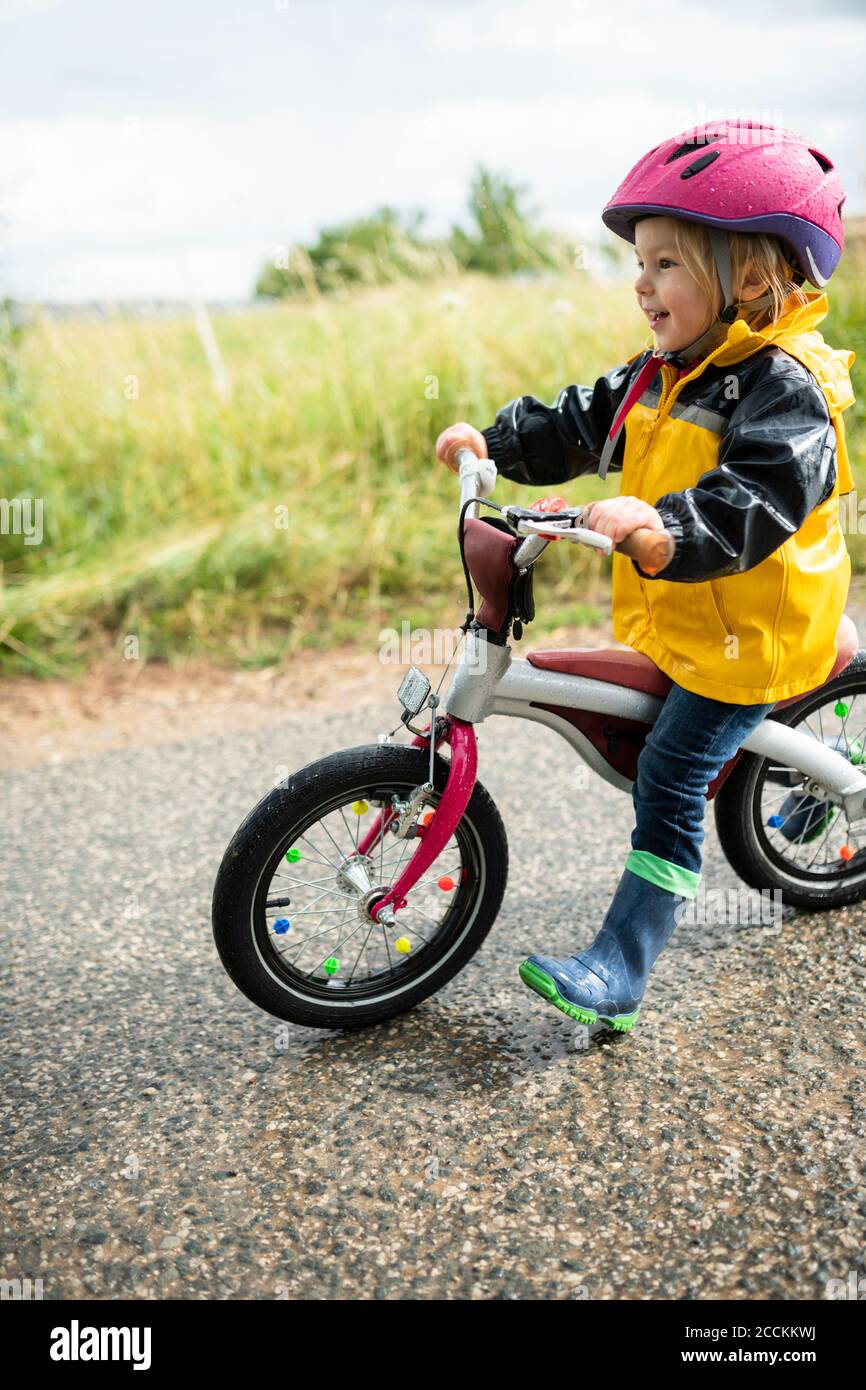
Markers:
698,164
825,163
690,147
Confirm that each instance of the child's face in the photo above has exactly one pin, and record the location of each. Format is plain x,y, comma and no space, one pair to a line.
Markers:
664,283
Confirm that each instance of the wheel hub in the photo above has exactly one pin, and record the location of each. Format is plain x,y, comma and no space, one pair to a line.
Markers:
368,902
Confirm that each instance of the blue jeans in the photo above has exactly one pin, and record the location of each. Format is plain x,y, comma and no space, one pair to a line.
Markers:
690,742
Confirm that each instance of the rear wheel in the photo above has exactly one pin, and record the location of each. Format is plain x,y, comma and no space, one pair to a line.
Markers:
294,931
774,834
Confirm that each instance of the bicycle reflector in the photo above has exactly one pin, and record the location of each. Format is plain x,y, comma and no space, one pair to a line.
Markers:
413,690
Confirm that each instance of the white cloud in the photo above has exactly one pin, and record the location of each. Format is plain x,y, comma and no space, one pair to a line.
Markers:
139,139
11,10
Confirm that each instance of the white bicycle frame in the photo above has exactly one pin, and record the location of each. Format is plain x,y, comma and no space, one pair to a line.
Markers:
491,681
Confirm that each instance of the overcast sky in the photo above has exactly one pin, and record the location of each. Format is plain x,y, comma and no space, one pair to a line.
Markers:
167,147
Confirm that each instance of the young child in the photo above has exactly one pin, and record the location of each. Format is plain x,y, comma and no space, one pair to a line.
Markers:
738,454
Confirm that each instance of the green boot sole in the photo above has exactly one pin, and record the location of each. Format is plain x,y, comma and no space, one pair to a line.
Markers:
543,984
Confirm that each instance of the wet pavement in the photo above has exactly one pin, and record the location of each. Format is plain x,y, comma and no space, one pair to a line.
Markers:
162,1137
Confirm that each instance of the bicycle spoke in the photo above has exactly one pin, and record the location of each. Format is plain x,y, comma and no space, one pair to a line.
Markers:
331,838
315,849
783,794
410,907
305,940
360,954
830,824
304,882
311,911
334,892
338,946
819,737
394,874
354,838
426,882
387,947
325,892
415,908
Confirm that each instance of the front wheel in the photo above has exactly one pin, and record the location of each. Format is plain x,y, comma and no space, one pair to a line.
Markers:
292,927
777,836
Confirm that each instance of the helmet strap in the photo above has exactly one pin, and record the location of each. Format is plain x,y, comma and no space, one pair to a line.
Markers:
714,334
722,253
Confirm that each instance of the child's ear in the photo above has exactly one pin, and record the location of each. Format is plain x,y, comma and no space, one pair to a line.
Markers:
752,286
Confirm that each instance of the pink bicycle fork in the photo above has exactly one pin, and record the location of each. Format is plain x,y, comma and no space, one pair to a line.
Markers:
434,836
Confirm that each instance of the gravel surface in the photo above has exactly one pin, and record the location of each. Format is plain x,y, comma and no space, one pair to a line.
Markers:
162,1137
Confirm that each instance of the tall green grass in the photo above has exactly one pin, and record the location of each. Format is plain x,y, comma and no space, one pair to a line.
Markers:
164,503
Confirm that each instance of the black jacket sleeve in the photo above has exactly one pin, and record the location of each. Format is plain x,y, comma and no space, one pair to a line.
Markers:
547,444
777,461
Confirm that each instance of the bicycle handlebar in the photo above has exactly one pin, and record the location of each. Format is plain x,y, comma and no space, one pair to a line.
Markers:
652,550
477,476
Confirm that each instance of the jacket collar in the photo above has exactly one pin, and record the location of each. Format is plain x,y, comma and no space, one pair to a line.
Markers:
796,319
796,333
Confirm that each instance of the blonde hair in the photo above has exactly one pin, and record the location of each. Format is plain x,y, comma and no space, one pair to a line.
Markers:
755,256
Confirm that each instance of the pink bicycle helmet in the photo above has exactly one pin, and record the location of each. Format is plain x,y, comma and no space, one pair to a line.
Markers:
733,176
746,177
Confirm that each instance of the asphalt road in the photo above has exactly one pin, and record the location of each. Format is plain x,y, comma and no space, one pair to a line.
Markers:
164,1138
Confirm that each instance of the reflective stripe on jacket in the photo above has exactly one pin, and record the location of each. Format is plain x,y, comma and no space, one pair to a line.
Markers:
744,457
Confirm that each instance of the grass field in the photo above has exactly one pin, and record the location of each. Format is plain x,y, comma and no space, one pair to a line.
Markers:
303,507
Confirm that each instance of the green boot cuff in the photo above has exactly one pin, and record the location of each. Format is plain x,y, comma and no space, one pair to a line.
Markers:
663,873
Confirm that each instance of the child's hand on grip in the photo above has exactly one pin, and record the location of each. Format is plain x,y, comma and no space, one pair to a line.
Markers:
457,437
636,530
617,517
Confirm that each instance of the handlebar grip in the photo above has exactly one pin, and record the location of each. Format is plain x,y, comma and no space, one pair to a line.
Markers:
653,550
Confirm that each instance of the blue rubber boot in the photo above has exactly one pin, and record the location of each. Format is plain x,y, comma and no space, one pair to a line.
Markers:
606,983
802,817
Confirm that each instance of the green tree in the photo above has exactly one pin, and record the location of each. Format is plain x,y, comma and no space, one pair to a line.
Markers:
372,250
505,237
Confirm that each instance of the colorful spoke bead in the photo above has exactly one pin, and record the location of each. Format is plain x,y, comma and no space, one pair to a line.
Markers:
281,925
403,945
775,821
446,883
846,852
293,855
331,965
840,708
360,808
